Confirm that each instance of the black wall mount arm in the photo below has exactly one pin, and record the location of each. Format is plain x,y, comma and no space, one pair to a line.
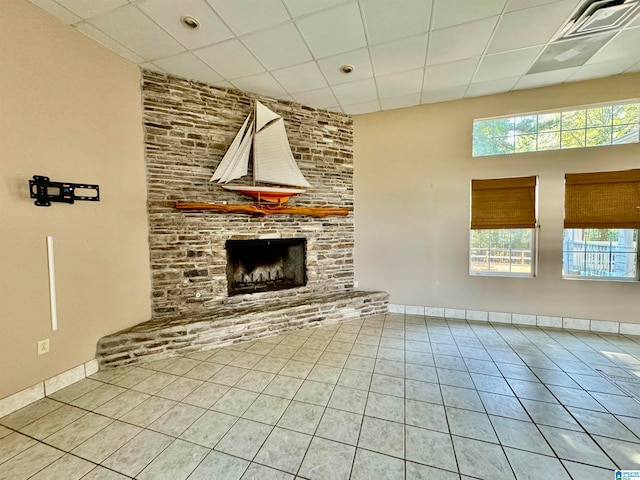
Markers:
45,191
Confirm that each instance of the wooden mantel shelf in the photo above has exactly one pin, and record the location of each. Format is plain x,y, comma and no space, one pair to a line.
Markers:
263,209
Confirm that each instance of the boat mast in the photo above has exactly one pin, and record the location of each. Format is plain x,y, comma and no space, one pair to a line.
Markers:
255,131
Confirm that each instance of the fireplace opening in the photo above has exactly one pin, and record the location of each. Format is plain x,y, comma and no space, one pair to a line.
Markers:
265,265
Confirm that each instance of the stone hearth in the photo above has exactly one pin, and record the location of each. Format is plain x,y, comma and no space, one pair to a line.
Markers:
230,324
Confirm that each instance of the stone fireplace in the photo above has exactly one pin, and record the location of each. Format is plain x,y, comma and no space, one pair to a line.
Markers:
188,127
265,265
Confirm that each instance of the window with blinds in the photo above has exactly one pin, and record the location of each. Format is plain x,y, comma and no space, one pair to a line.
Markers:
601,221
503,221
503,203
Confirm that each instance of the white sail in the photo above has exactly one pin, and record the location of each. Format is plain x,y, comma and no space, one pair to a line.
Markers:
274,162
264,116
235,156
240,167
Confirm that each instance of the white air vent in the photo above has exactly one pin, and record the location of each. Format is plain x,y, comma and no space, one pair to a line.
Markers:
598,16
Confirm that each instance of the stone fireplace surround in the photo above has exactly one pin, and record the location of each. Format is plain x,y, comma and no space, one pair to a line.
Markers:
188,126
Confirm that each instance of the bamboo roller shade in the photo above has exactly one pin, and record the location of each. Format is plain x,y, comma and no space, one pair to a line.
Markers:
602,200
503,203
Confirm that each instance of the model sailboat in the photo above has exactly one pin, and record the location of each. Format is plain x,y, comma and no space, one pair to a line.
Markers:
264,139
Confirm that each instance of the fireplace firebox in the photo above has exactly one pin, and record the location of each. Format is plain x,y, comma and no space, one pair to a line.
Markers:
265,265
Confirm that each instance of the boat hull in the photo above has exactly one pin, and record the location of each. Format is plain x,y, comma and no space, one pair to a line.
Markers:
278,195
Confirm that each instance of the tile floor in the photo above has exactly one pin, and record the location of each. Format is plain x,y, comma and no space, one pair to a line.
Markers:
387,397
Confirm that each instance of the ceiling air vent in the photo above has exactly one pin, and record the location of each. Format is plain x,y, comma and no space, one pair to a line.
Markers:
591,26
599,16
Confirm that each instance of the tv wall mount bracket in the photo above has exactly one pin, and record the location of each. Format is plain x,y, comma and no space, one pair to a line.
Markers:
45,191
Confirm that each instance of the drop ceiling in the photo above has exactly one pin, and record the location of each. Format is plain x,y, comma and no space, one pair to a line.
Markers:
404,52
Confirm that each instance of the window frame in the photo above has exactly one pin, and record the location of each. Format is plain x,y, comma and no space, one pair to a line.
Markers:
602,278
529,125
510,274
504,205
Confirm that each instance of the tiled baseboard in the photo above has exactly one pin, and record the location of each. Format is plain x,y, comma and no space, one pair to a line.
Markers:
599,326
36,392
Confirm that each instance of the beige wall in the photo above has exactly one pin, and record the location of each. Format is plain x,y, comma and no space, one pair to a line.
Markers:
70,110
412,172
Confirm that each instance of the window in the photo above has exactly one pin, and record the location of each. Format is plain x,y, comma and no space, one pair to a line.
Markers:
601,221
504,251
577,128
503,221
610,253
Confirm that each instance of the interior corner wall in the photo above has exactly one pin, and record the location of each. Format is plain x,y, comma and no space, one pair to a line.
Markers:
413,169
70,110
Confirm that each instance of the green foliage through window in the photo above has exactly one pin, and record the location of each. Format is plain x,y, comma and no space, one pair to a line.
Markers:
579,128
502,252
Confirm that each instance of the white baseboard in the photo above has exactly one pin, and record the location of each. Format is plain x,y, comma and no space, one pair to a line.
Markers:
546,321
47,387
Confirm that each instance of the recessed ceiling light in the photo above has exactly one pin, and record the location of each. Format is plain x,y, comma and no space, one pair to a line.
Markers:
189,22
346,69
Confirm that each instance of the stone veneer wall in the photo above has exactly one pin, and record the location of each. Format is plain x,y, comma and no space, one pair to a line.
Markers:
188,127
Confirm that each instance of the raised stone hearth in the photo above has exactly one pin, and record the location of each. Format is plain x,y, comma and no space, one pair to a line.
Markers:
229,324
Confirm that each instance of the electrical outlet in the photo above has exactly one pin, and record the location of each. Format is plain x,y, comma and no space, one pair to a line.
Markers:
43,346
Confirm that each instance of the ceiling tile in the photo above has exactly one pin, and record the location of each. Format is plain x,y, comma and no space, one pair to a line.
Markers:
356,92
514,5
489,88
246,16
333,31
278,47
225,84
543,79
505,65
455,12
358,58
189,66
167,13
362,108
131,27
529,27
603,69
386,21
398,84
634,68
400,102
625,44
151,66
297,8
230,59
300,78
85,9
319,98
263,83
449,75
105,40
569,53
400,56
446,45
443,94
57,10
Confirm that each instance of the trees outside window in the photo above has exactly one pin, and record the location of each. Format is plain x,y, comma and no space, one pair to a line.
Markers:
578,128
